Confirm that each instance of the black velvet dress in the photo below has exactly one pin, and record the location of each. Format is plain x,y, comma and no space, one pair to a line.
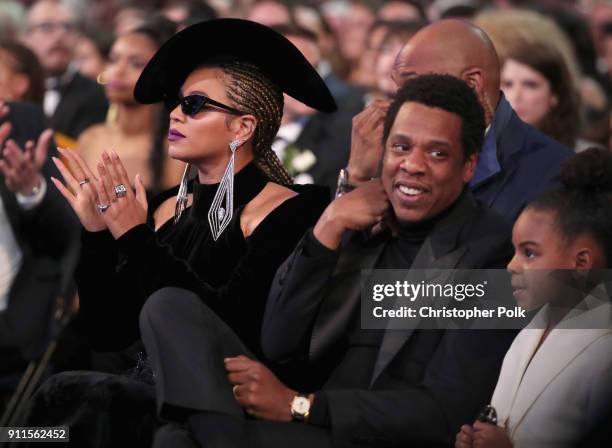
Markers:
231,275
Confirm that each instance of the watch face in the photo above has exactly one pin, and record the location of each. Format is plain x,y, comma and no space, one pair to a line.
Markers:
300,405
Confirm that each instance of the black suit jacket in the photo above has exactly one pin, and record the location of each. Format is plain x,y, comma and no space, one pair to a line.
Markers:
517,164
82,104
425,383
47,236
328,136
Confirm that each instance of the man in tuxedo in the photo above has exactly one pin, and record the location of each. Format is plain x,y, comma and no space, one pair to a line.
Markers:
38,235
382,387
517,162
327,137
72,102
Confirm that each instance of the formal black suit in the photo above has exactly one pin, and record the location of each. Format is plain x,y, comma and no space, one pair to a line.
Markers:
82,104
328,136
47,235
424,383
416,390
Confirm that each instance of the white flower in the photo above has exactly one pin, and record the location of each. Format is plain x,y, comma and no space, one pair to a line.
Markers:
303,178
303,161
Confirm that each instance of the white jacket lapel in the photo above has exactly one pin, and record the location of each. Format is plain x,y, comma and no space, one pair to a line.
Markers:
564,343
513,369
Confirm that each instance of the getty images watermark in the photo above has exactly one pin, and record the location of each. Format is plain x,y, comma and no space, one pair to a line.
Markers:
483,299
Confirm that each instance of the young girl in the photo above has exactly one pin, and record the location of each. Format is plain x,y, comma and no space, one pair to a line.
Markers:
555,384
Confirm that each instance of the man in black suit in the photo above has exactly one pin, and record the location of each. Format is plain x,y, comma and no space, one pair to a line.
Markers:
38,235
382,387
72,102
327,137
517,162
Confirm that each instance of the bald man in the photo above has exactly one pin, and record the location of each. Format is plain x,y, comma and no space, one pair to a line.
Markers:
517,163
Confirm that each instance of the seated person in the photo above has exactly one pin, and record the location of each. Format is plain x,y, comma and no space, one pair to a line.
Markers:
382,387
517,162
222,234
38,236
555,384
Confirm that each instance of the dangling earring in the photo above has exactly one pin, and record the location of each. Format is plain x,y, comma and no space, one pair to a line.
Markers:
220,214
181,197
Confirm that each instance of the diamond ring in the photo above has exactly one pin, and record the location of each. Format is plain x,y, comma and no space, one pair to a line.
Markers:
103,208
120,191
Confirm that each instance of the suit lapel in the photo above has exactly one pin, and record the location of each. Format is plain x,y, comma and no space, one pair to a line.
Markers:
558,351
564,343
439,251
340,303
515,363
507,132
394,339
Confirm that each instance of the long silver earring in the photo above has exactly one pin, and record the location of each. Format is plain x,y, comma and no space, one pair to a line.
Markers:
181,197
222,208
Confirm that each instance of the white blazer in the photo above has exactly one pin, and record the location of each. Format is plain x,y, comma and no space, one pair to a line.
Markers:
555,399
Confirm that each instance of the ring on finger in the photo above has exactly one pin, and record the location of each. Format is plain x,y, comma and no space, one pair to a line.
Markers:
120,191
234,390
103,207
83,182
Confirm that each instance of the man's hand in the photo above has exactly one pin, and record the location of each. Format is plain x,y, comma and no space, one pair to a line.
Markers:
360,209
21,169
366,142
258,390
490,436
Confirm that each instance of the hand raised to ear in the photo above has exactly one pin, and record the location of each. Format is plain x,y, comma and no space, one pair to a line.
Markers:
366,142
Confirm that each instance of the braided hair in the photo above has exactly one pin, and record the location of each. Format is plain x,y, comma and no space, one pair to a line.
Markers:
253,93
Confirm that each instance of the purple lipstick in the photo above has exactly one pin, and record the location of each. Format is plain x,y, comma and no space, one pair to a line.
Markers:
174,135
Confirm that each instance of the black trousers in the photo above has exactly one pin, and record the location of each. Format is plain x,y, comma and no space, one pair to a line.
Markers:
186,343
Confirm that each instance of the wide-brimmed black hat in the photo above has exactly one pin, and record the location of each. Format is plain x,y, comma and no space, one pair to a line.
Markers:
242,40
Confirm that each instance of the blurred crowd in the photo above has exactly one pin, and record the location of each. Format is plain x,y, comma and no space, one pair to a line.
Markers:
72,66
556,63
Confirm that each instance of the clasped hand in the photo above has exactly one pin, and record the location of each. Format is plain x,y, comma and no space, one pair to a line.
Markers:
98,200
258,390
482,435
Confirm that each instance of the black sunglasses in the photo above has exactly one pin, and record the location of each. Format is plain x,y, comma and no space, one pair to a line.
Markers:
192,104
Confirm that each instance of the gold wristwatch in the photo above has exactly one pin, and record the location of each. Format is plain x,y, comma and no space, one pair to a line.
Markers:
300,407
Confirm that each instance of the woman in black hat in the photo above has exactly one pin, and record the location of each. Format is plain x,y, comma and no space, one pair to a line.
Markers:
222,234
